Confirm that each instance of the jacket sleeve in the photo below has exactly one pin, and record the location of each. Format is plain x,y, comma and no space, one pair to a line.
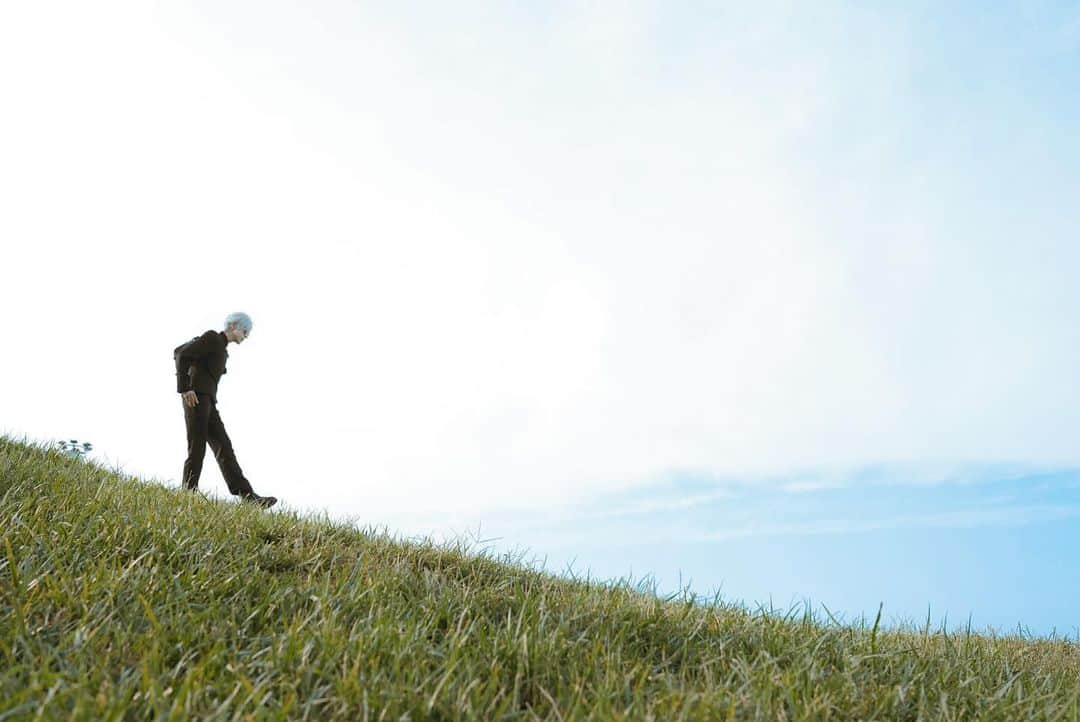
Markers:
199,349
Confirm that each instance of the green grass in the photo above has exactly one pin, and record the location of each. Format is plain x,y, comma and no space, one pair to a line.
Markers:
126,600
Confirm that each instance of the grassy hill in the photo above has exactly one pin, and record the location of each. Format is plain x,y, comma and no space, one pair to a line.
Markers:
127,600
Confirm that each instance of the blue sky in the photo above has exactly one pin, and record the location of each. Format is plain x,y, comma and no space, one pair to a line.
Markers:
991,546
515,265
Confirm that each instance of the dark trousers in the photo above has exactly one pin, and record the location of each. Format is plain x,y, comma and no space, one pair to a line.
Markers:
204,426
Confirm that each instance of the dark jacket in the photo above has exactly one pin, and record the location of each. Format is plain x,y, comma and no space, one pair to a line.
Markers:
200,363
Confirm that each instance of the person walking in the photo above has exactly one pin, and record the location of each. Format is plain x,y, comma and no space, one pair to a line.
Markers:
200,364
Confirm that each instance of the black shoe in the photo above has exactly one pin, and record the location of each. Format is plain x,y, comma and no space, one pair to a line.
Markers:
264,501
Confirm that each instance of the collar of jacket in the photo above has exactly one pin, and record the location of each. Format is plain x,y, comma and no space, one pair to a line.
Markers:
224,338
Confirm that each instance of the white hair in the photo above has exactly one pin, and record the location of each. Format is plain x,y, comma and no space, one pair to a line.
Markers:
239,319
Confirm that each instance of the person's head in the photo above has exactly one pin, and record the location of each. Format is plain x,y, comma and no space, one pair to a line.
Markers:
237,326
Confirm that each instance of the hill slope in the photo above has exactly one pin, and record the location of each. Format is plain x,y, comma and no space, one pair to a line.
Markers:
125,600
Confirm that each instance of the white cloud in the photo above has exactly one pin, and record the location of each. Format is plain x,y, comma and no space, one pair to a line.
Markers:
500,259
1016,515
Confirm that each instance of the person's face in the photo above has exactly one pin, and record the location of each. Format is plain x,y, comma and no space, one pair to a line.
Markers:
237,334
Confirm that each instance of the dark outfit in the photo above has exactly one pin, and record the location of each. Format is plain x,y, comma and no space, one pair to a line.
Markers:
200,364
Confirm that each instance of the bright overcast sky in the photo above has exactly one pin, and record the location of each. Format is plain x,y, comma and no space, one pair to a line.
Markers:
520,253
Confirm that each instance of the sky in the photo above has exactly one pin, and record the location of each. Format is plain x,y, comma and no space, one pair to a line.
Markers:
786,289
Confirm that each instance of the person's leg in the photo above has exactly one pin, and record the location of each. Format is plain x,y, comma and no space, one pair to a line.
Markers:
197,422
223,452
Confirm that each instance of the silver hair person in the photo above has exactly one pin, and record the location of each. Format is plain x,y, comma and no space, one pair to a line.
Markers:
239,319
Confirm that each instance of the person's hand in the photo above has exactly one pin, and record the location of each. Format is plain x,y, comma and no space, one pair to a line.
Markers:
190,399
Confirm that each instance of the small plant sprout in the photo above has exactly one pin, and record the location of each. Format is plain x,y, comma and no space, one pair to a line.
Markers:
74,447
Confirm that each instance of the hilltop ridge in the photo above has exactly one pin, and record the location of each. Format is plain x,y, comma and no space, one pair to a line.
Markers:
122,599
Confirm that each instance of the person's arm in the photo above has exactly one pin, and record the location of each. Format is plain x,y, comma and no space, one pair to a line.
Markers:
196,351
